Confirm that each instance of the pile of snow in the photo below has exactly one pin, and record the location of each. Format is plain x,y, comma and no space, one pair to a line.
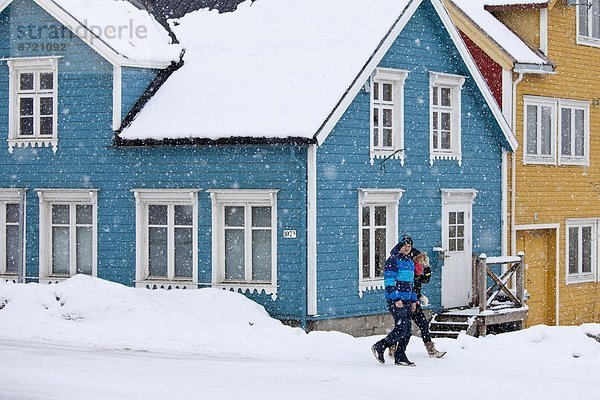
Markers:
167,344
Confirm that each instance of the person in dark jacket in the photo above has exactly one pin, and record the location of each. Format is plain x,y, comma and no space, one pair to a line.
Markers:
398,277
423,276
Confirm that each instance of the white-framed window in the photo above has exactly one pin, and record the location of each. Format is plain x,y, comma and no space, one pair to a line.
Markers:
11,244
556,131
387,113
68,232
244,248
445,116
33,101
167,238
588,22
581,250
378,227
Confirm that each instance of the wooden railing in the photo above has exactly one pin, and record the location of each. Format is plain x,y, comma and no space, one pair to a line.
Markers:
484,295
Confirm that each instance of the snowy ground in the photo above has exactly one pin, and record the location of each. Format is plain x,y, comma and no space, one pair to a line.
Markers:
91,339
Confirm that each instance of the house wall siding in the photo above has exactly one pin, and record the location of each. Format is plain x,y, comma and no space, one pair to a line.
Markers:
551,194
86,158
344,167
134,82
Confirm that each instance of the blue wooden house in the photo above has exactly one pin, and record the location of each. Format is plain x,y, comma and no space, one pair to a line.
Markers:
278,150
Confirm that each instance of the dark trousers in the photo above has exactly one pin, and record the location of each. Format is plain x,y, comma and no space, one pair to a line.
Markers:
401,332
419,317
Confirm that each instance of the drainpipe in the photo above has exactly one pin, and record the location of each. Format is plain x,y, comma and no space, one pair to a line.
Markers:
513,231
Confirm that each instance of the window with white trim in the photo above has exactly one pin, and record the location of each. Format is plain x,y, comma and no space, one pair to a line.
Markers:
588,22
68,231
167,237
387,113
445,116
582,250
378,222
556,131
33,102
244,226
11,243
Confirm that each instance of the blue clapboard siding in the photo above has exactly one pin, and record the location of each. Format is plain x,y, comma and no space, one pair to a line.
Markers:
344,167
86,158
134,81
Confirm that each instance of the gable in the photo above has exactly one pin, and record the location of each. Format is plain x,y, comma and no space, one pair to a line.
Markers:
120,33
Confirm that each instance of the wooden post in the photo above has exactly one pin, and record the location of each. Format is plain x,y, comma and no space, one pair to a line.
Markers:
521,278
481,282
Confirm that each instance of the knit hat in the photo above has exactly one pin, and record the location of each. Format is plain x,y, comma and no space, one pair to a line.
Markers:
405,239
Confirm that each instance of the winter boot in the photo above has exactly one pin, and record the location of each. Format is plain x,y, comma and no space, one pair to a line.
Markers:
432,351
402,360
392,350
378,350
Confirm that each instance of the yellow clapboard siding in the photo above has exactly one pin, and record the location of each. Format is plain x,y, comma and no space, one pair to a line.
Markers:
551,194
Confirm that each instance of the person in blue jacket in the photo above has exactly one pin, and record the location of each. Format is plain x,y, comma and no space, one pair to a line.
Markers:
398,277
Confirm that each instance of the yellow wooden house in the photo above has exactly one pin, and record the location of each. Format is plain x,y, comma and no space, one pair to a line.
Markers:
542,61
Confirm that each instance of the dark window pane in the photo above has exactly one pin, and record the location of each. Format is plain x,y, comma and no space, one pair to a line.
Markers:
261,216
12,213
61,214
532,130
26,81
579,133
435,95
546,130
387,138
375,91
234,216
46,81
61,252
445,97
445,140
46,126
184,215
586,245
184,253
261,255
380,251
157,215
26,106
460,244
583,19
26,126
452,231
84,214
573,250
366,253
387,92
452,217
84,250
157,252
387,118
234,255
12,249
46,106
565,132
460,217
380,215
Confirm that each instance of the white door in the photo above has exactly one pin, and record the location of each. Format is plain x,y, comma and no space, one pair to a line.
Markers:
457,245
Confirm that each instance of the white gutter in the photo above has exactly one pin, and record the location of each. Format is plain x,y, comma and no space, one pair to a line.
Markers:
513,185
311,246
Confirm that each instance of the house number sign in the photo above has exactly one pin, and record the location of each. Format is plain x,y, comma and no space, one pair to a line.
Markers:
289,234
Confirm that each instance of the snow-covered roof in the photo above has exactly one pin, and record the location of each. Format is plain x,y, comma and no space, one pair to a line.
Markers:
513,2
506,39
274,68
122,33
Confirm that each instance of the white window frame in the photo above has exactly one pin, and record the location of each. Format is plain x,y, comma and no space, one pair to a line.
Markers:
455,83
242,198
586,40
581,277
389,198
556,105
18,66
573,106
72,197
9,196
169,198
396,78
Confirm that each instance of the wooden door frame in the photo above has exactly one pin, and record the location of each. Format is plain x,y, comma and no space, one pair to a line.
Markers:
556,227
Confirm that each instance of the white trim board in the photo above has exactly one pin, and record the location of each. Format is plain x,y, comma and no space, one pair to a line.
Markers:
385,45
